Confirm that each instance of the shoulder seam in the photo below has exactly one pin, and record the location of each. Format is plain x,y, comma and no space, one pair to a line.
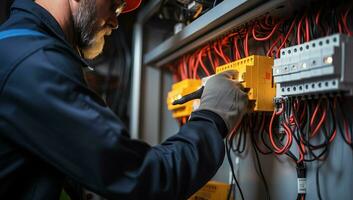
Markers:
14,65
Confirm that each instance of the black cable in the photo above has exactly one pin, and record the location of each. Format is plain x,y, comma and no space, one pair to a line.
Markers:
259,132
230,191
268,197
318,183
239,137
232,170
343,117
265,130
231,47
304,135
301,175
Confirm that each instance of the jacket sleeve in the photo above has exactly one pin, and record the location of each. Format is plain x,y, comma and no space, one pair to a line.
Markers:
53,115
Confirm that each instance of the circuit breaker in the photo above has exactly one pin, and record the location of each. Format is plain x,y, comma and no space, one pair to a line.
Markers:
255,73
324,65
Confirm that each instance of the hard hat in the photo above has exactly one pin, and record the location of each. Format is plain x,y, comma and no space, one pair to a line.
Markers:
131,5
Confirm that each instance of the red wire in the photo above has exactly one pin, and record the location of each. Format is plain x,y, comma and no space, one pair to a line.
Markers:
197,62
265,26
235,130
200,55
346,132
189,67
339,27
321,121
289,135
216,62
333,136
334,110
219,51
246,43
185,67
286,38
307,31
266,37
192,65
221,44
210,59
344,19
189,59
287,130
317,21
237,53
299,29
314,114
323,118
215,48
270,51
317,17
267,21
303,113
181,69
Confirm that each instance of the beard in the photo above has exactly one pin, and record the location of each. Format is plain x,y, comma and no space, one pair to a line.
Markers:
96,45
89,38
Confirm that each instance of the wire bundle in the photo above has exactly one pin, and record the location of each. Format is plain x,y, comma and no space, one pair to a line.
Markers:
265,35
301,128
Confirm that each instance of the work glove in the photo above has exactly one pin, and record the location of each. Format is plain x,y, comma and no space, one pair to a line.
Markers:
224,96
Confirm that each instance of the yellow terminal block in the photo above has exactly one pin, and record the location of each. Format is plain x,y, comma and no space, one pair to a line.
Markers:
212,191
255,73
179,90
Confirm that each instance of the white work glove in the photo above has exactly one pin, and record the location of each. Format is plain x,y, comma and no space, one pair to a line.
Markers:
224,96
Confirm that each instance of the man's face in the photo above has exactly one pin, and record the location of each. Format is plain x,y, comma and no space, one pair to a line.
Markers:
93,20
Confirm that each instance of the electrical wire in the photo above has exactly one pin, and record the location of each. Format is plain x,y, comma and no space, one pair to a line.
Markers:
262,176
265,37
232,170
344,20
318,191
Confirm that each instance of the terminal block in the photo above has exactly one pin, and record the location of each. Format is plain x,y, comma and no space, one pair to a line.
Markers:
255,73
320,66
180,89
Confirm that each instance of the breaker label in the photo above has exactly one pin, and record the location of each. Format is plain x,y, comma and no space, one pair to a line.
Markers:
301,185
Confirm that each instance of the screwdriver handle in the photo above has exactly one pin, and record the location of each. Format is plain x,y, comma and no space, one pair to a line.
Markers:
194,95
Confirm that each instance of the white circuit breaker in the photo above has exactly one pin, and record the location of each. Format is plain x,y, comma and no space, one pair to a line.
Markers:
324,65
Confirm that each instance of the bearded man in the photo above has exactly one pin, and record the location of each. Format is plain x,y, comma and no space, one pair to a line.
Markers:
53,128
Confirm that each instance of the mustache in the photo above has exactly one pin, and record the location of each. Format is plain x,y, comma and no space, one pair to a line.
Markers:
99,35
105,31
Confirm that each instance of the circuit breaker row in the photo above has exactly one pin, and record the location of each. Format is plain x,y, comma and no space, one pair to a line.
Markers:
320,66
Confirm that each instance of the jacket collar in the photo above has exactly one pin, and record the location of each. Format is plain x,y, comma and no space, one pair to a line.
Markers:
45,21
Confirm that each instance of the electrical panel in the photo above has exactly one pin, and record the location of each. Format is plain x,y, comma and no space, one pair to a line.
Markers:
179,90
255,73
323,65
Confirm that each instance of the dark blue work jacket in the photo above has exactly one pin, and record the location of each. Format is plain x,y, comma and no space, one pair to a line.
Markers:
53,127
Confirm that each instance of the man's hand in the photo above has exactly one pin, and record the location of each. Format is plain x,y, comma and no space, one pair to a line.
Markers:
223,95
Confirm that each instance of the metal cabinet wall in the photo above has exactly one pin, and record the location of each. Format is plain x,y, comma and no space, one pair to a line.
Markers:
154,123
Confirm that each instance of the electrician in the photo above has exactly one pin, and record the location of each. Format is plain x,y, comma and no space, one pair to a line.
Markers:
53,128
